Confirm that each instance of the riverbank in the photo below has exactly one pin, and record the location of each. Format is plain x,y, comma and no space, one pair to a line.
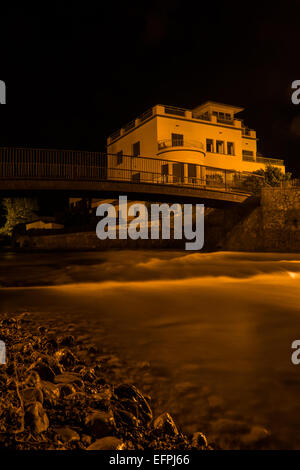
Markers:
59,392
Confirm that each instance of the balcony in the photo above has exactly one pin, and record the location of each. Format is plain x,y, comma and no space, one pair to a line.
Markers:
169,143
264,160
270,161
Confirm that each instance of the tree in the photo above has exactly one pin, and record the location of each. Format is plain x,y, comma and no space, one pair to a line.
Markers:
17,211
273,176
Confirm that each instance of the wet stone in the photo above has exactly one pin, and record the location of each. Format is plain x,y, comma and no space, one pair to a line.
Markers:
100,423
67,434
36,418
107,443
165,425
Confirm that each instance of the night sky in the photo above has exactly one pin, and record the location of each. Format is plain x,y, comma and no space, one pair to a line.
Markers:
74,74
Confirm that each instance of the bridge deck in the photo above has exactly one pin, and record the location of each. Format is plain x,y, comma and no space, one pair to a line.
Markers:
95,173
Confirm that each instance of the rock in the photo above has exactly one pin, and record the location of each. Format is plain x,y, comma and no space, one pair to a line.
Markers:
51,345
66,389
107,443
33,380
68,340
65,357
125,418
31,395
86,440
102,398
67,434
69,378
166,425
45,372
133,401
36,418
256,435
51,392
199,440
100,423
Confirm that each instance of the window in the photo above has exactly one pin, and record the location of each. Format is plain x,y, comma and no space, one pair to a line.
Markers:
230,148
209,145
192,173
165,169
219,146
120,157
177,140
136,177
248,155
136,149
178,172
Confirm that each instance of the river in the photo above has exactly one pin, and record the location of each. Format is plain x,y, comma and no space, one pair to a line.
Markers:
216,328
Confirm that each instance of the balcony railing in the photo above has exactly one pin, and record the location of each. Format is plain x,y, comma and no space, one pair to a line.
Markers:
271,161
168,143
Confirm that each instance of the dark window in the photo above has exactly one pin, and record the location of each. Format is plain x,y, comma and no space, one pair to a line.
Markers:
136,177
219,146
178,172
177,140
192,170
136,149
249,153
165,169
209,145
230,148
120,157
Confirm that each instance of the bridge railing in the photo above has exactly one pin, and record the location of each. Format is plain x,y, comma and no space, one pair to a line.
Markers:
26,163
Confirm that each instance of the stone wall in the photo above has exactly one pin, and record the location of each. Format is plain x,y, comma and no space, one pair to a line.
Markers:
273,226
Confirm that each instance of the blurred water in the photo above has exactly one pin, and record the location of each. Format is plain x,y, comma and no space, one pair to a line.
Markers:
216,328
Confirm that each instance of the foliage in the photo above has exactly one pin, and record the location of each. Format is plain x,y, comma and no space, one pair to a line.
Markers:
273,176
17,211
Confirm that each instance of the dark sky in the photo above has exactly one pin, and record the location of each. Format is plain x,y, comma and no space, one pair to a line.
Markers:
74,74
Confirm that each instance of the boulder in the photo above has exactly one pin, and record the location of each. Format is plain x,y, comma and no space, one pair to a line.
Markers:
67,434
165,425
100,423
107,443
36,418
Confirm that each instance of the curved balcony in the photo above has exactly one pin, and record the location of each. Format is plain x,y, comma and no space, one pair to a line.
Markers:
186,144
191,151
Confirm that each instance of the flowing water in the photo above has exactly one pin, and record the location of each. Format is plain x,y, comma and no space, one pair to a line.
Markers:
216,328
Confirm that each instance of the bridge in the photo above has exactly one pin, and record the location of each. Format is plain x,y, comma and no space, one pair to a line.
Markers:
28,171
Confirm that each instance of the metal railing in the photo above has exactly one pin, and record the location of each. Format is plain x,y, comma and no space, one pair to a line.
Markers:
69,165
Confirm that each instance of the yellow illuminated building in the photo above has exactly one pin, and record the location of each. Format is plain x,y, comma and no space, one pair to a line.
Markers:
210,135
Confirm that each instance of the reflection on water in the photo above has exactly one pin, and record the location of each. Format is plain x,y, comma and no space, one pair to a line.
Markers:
216,328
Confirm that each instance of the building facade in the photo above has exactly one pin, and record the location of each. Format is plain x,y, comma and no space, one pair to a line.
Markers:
209,136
